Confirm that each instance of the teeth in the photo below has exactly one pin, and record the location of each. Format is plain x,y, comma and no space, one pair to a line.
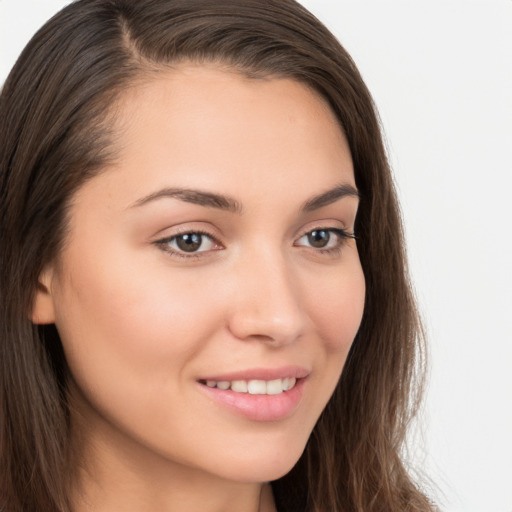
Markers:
274,387
255,387
240,386
290,382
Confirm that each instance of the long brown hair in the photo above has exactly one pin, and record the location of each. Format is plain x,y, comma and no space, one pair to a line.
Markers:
55,134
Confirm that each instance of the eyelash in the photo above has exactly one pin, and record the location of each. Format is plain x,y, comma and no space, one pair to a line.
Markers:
342,234
164,244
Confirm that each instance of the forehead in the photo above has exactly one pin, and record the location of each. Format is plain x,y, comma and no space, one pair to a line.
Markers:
198,104
201,126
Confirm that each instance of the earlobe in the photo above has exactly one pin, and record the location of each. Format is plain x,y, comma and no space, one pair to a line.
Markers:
43,311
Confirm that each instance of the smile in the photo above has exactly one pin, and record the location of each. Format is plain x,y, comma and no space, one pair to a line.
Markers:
255,387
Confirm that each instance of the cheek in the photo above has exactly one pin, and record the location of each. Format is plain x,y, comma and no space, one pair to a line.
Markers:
130,340
337,309
113,320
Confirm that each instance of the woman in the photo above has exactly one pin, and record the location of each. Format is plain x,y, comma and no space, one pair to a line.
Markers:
204,296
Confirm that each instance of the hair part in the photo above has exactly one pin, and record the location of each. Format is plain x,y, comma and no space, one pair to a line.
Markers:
56,131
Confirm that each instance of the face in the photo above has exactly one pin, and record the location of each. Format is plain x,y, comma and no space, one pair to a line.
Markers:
210,287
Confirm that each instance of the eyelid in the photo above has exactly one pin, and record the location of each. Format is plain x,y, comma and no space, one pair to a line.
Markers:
182,228
326,225
163,242
341,233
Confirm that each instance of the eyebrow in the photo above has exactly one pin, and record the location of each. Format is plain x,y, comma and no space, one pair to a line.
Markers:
329,197
222,202
200,197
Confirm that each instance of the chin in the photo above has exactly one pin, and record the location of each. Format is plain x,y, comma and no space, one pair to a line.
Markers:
264,468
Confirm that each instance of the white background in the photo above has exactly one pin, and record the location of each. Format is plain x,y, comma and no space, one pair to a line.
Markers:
441,75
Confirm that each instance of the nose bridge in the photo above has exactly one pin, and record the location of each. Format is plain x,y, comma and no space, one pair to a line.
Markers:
267,304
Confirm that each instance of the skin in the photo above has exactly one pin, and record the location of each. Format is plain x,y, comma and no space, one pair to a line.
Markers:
140,324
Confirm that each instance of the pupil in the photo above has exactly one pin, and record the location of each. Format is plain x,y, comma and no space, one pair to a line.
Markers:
189,242
318,238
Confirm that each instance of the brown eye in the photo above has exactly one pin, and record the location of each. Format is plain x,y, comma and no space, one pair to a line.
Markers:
319,238
324,239
192,242
189,242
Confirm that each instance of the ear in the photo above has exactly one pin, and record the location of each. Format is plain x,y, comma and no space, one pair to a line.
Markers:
43,311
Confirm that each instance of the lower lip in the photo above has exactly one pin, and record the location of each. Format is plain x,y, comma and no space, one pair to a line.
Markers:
259,407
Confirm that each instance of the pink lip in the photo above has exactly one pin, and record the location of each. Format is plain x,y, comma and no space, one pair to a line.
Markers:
296,372
259,407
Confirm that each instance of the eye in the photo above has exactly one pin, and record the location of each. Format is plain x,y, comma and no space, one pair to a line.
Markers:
324,239
189,243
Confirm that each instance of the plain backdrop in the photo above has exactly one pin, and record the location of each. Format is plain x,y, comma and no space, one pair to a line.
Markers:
440,72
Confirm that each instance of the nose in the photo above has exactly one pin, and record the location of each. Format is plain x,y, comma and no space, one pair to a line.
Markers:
266,305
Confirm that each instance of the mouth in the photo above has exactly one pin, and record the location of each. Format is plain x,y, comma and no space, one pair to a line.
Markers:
260,395
254,386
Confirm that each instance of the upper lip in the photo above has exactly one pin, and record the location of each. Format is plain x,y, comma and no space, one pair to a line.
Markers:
283,372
